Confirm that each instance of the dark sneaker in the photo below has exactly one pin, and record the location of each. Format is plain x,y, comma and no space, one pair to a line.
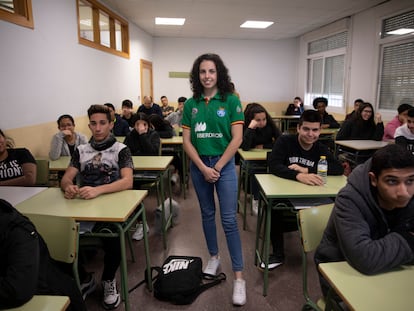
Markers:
88,286
274,262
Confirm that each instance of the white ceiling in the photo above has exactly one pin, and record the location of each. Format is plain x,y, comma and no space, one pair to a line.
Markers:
222,18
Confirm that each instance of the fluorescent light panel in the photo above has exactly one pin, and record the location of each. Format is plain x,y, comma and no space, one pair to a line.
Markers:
169,21
256,24
401,31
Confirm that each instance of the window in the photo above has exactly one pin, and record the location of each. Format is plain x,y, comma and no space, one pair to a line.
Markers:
102,29
326,69
396,78
18,12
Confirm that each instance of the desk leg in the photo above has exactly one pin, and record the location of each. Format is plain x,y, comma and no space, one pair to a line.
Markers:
146,249
124,275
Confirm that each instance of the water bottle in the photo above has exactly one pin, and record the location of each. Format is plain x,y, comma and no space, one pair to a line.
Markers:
323,168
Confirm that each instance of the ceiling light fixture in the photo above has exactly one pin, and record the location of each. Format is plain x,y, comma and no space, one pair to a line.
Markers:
169,21
401,31
256,24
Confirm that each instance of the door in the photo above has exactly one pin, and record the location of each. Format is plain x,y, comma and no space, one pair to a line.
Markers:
146,78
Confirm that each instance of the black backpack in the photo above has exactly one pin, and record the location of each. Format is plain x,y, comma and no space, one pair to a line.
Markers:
180,280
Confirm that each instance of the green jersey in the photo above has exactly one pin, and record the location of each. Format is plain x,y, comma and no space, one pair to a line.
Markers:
210,123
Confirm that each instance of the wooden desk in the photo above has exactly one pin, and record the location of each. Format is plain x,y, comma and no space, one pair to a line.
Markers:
360,149
59,165
176,144
14,195
44,303
249,161
382,292
272,190
119,208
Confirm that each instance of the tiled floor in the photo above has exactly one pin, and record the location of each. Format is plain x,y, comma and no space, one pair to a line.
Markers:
285,282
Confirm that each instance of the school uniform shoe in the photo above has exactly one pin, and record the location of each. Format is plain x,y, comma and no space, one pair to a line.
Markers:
138,235
111,298
88,286
212,266
274,262
239,292
255,207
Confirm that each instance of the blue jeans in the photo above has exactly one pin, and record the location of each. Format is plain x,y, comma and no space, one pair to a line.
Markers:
226,188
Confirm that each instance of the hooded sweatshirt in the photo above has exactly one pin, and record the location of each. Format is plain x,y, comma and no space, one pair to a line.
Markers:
371,239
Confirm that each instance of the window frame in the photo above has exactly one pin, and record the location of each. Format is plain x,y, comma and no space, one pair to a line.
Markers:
383,43
97,8
310,58
23,15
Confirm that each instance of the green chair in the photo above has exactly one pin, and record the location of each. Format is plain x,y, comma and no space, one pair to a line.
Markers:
42,175
312,223
61,235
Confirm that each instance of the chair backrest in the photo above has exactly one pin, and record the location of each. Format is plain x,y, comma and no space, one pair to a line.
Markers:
60,234
312,223
42,175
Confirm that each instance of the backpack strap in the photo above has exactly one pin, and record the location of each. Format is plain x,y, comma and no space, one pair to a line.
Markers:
215,279
158,269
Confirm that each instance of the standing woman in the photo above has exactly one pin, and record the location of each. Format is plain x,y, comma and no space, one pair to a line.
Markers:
212,133
66,140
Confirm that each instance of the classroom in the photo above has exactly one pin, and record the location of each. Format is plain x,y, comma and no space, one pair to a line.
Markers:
46,72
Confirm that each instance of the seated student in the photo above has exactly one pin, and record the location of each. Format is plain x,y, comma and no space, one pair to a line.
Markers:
166,109
103,166
328,121
17,165
176,117
128,113
148,107
66,140
259,132
143,140
295,108
397,121
404,135
357,103
296,157
26,268
363,125
372,223
121,127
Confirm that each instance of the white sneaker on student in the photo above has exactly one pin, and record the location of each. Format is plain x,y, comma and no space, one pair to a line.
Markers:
212,266
255,207
239,292
111,298
138,235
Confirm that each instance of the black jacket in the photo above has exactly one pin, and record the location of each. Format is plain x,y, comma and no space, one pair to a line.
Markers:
145,144
26,268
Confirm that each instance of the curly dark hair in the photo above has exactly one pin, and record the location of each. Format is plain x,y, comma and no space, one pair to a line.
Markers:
223,78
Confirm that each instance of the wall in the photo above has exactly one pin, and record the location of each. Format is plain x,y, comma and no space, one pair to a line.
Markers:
263,71
45,72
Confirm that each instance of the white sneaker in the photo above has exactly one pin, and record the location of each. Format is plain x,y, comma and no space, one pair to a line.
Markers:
138,235
212,266
255,207
175,178
239,292
111,297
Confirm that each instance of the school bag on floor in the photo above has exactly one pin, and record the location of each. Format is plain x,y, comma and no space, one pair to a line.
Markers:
181,280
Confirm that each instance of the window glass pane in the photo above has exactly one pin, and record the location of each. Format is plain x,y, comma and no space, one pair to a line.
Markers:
85,20
329,43
334,80
397,75
104,29
317,69
118,36
7,6
403,22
